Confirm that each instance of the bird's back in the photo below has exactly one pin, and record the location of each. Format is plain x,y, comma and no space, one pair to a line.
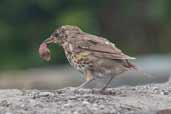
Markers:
95,53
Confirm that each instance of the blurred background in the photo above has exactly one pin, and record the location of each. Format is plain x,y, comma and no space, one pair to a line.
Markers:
141,28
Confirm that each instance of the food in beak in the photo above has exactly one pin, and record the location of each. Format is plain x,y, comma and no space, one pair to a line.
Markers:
44,52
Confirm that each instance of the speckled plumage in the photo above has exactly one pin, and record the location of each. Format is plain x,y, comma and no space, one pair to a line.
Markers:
92,55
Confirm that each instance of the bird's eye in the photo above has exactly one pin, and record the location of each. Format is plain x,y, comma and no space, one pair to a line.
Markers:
55,34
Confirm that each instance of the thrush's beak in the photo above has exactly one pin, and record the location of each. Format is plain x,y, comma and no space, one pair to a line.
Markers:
51,40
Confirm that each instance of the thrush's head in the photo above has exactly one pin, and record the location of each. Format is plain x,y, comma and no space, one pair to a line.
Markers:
62,34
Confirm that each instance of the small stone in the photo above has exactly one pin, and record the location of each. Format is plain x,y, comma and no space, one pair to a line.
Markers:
66,105
45,94
75,112
4,103
164,92
95,105
8,113
134,89
155,89
85,102
102,107
42,94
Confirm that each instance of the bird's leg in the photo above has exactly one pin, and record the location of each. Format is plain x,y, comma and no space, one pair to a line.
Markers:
85,83
89,78
108,82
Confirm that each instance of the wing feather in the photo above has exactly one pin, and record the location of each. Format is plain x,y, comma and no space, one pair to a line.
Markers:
100,47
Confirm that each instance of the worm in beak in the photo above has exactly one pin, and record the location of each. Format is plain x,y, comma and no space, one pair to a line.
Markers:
44,52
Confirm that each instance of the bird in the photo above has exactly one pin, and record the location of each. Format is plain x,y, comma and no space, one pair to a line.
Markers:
94,56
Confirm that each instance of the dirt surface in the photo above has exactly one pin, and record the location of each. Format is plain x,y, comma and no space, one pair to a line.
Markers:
146,99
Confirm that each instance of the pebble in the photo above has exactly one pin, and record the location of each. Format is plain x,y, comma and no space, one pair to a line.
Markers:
44,94
8,113
85,102
164,92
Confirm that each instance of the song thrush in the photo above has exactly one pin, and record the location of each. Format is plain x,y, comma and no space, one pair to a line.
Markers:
94,56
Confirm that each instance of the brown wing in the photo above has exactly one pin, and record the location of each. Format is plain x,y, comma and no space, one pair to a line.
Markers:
100,47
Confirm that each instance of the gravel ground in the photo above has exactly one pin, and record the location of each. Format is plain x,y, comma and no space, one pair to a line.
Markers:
146,99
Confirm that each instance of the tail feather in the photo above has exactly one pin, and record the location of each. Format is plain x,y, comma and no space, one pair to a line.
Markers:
138,69
130,65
